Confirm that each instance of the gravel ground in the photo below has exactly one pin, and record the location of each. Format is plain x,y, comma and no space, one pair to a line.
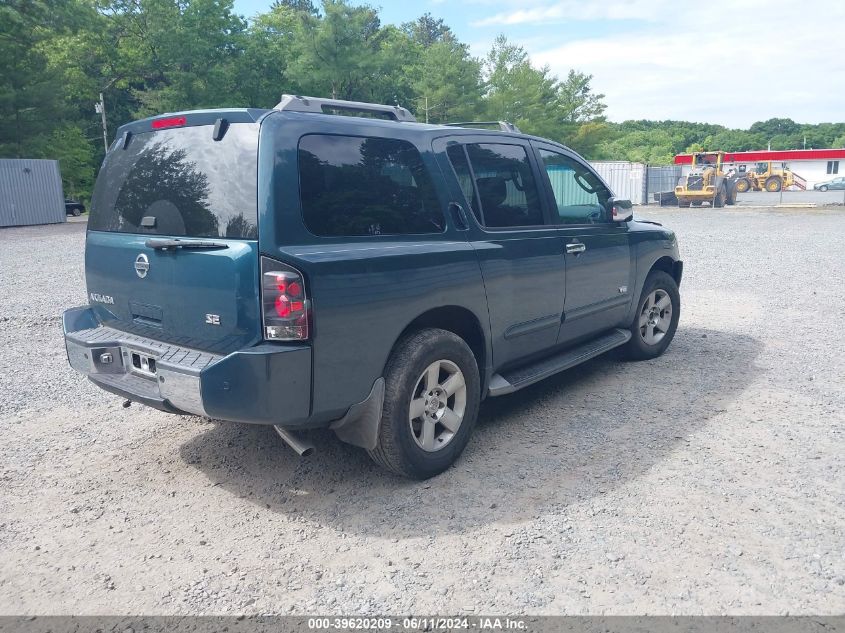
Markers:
708,481
765,198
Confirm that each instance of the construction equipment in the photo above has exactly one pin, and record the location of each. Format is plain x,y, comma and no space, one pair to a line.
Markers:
765,176
706,182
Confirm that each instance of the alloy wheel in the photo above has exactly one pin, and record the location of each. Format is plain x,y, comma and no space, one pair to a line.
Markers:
655,317
437,405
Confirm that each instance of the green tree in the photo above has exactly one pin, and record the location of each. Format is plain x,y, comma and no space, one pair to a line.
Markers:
31,98
577,100
427,31
775,127
75,154
339,53
520,93
447,80
304,6
641,146
268,50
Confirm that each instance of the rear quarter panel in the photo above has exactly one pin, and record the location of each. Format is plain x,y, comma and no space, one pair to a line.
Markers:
365,290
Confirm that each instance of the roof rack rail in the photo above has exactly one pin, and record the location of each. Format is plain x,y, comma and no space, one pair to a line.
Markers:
295,103
504,126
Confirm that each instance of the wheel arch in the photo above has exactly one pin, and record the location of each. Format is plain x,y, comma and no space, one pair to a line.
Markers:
460,321
674,268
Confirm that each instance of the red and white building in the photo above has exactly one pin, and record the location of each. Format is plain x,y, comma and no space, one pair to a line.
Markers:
813,165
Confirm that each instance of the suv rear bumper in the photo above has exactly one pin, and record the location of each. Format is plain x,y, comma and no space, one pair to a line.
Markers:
265,384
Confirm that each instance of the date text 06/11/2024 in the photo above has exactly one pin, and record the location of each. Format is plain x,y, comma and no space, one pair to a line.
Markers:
480,623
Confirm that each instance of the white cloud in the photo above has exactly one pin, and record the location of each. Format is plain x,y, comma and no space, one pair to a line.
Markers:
577,10
720,62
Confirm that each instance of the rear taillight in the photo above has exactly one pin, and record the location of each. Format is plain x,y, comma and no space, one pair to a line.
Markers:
285,307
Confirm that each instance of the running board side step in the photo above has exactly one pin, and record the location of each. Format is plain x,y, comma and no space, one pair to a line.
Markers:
515,379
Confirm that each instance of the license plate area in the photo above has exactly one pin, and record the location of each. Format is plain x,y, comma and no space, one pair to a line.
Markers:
143,364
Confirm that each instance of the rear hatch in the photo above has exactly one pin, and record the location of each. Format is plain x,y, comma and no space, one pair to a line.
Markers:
172,250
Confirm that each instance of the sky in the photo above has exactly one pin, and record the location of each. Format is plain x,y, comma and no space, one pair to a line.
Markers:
731,63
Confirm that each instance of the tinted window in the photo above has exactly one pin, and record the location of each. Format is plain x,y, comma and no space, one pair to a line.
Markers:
506,186
459,163
184,181
579,195
365,186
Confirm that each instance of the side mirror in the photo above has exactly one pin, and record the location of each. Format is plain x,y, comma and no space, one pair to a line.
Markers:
620,210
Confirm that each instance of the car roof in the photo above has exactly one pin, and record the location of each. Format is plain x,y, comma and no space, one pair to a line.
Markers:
256,115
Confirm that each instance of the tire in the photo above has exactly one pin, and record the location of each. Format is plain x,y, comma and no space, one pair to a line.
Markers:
683,205
645,343
743,185
731,199
823,188
773,184
76,212
408,377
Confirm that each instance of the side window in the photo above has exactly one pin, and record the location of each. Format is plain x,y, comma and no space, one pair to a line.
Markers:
352,185
505,183
459,163
580,196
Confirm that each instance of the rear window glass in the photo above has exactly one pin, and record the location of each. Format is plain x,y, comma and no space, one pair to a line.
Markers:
183,182
351,185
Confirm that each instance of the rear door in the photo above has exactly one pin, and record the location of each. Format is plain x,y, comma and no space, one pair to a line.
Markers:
599,269
519,253
178,183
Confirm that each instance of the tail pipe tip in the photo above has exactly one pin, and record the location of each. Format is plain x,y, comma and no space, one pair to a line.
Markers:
304,448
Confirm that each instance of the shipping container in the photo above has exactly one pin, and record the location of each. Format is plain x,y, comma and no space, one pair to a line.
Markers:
30,192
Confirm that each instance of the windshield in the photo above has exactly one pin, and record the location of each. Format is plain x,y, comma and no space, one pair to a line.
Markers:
180,182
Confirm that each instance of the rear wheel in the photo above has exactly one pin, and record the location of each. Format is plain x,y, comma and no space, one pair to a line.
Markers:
76,212
719,199
656,319
773,184
742,185
683,205
432,395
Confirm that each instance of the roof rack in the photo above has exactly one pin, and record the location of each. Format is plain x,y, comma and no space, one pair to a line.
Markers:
295,103
504,126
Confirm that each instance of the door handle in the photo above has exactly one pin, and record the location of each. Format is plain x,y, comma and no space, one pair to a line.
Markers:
575,247
459,216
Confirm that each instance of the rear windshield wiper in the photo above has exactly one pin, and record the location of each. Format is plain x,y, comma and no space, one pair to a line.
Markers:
165,244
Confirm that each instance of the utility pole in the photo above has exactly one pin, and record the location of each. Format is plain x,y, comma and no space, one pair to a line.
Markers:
427,108
100,108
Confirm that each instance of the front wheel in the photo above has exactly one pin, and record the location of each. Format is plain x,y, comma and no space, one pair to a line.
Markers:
823,188
656,319
431,401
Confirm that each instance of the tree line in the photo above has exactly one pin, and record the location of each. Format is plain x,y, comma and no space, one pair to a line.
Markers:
152,56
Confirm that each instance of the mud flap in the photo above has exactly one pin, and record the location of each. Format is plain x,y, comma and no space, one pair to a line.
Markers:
360,425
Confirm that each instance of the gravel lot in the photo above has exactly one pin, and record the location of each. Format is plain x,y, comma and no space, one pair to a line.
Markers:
708,481
765,198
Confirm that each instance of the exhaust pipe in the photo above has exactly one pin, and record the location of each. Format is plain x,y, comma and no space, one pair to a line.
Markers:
303,447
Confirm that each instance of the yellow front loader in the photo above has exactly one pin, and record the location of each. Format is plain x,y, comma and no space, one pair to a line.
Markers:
769,177
706,182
